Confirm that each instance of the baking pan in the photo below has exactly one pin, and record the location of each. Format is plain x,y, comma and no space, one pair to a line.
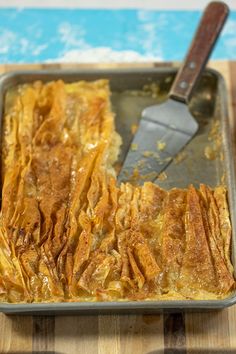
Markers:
132,90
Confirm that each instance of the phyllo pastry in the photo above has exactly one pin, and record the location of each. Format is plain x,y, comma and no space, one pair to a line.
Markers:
68,232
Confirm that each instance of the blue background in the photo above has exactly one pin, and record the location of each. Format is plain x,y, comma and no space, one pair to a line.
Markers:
39,35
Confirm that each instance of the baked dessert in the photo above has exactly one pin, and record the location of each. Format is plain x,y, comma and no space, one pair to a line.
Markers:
68,232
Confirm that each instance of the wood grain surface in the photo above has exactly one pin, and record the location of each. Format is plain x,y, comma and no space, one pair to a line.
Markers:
192,333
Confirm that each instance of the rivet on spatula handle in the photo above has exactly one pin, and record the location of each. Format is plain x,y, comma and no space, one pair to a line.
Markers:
201,47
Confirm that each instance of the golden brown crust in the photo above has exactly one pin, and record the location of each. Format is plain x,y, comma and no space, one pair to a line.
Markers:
69,233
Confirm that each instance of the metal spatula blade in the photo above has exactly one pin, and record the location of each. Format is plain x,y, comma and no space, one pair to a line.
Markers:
165,129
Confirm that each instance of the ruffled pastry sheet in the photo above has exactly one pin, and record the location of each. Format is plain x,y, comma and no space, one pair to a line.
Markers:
68,232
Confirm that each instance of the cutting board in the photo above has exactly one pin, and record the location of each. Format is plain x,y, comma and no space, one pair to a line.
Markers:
195,333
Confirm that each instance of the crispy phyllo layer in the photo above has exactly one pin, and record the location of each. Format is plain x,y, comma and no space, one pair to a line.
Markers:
69,233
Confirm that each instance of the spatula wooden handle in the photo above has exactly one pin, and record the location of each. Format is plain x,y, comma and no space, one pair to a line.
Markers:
212,22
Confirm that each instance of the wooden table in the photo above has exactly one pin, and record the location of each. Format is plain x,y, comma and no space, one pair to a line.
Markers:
196,333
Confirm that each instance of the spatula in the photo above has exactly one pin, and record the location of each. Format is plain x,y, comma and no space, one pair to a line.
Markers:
166,128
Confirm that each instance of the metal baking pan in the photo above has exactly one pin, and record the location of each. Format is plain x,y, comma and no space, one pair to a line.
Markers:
209,103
